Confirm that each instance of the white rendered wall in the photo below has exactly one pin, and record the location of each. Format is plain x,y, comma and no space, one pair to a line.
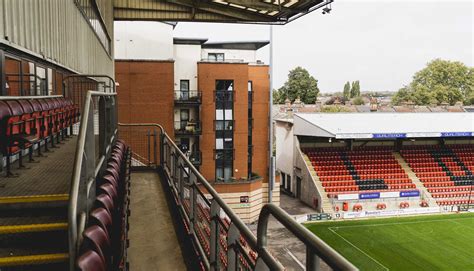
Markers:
244,55
186,58
143,40
284,148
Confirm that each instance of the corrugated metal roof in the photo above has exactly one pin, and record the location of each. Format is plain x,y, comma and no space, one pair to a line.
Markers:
384,125
238,11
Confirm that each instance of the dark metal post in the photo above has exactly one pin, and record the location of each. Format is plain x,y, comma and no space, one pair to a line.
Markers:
3,80
148,146
154,148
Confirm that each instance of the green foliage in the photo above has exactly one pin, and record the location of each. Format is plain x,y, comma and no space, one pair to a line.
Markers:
299,84
355,89
441,81
347,91
333,109
358,101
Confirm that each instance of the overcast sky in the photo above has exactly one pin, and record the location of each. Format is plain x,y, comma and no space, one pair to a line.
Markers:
382,43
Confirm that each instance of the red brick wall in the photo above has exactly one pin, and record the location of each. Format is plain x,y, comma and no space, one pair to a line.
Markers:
208,73
260,110
145,94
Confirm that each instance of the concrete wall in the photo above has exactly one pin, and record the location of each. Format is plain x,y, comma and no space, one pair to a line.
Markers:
244,55
143,40
284,147
309,192
186,58
57,32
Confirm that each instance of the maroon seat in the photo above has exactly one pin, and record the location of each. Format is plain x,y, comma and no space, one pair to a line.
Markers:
96,238
110,190
90,261
104,201
108,179
112,171
102,218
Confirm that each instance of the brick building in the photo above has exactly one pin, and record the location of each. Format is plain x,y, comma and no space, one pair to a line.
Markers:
212,97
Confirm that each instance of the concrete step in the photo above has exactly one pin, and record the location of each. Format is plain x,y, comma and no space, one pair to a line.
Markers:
419,185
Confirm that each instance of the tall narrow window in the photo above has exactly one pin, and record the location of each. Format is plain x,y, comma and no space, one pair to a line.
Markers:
224,126
184,89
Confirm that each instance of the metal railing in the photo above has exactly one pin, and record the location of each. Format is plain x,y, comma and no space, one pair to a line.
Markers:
97,133
187,127
187,96
221,238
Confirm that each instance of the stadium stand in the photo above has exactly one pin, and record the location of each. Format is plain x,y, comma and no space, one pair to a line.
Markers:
445,170
26,124
370,169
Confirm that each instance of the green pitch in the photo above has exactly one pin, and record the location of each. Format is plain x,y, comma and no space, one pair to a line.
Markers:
435,242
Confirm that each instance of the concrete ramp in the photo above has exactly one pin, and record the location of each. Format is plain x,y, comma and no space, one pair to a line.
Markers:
153,241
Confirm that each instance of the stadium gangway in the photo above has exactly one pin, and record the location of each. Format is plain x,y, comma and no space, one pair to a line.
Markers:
191,191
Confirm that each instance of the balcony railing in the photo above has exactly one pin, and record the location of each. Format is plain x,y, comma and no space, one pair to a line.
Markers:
187,97
187,127
195,157
219,237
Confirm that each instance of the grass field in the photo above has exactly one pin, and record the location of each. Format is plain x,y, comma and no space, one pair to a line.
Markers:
435,242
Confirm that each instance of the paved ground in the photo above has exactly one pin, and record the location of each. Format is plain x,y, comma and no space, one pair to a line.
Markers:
285,247
153,242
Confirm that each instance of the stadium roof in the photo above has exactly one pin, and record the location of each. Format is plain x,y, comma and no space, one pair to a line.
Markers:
384,125
238,45
233,11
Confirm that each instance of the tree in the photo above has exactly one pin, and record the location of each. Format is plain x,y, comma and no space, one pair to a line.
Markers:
299,84
347,91
358,101
441,81
355,89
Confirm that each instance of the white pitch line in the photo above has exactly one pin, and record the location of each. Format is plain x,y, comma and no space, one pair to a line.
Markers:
294,258
400,223
363,252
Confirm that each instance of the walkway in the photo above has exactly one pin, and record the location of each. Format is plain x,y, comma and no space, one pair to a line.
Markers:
153,242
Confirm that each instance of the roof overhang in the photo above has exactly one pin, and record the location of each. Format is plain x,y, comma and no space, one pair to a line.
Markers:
237,45
385,125
231,11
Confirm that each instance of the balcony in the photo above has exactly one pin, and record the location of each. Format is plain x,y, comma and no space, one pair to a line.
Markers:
191,97
187,127
195,157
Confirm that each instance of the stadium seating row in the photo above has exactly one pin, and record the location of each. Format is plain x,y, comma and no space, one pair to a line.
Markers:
26,124
446,174
105,238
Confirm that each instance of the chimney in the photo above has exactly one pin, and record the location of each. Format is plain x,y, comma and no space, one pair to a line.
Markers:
374,106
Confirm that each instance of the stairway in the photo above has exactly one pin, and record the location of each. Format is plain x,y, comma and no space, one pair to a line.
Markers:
419,185
325,203
33,213
33,233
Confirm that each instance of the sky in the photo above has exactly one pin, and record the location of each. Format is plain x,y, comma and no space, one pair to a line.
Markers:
381,43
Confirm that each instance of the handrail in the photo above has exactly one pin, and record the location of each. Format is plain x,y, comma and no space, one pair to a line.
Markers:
29,97
244,230
76,175
315,246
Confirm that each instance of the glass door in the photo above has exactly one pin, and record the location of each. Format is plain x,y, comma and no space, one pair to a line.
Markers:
184,89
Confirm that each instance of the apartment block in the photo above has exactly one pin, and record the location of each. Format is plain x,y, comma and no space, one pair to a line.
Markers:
213,97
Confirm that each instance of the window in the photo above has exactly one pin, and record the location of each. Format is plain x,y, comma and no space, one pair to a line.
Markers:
215,56
184,89
224,125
